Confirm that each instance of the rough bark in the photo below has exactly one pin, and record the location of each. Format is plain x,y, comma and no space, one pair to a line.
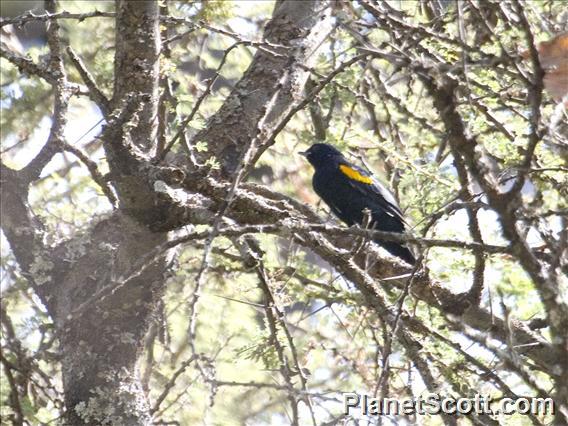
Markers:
136,66
275,79
101,344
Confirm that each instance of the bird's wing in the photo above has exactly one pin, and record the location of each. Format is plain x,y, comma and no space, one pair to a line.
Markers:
371,187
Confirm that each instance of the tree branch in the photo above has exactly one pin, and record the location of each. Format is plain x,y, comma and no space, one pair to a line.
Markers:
137,64
270,79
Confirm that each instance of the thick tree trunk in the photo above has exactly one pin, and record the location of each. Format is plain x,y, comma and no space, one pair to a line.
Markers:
101,316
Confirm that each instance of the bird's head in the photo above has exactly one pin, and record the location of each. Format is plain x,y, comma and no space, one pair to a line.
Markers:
321,154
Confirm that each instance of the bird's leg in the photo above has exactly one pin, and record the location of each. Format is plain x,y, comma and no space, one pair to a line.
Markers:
365,224
367,217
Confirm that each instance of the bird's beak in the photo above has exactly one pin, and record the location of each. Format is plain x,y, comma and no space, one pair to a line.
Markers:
303,153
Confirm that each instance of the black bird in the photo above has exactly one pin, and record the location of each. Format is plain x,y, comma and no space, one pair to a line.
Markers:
349,190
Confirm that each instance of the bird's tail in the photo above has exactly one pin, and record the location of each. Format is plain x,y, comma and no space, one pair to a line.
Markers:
399,251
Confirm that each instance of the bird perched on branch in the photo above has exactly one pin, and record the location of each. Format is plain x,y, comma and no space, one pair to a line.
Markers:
356,197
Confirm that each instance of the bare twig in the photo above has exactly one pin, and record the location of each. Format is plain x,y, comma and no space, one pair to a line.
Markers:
94,92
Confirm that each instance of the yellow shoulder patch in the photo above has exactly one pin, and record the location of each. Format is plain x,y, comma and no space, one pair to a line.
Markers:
354,174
